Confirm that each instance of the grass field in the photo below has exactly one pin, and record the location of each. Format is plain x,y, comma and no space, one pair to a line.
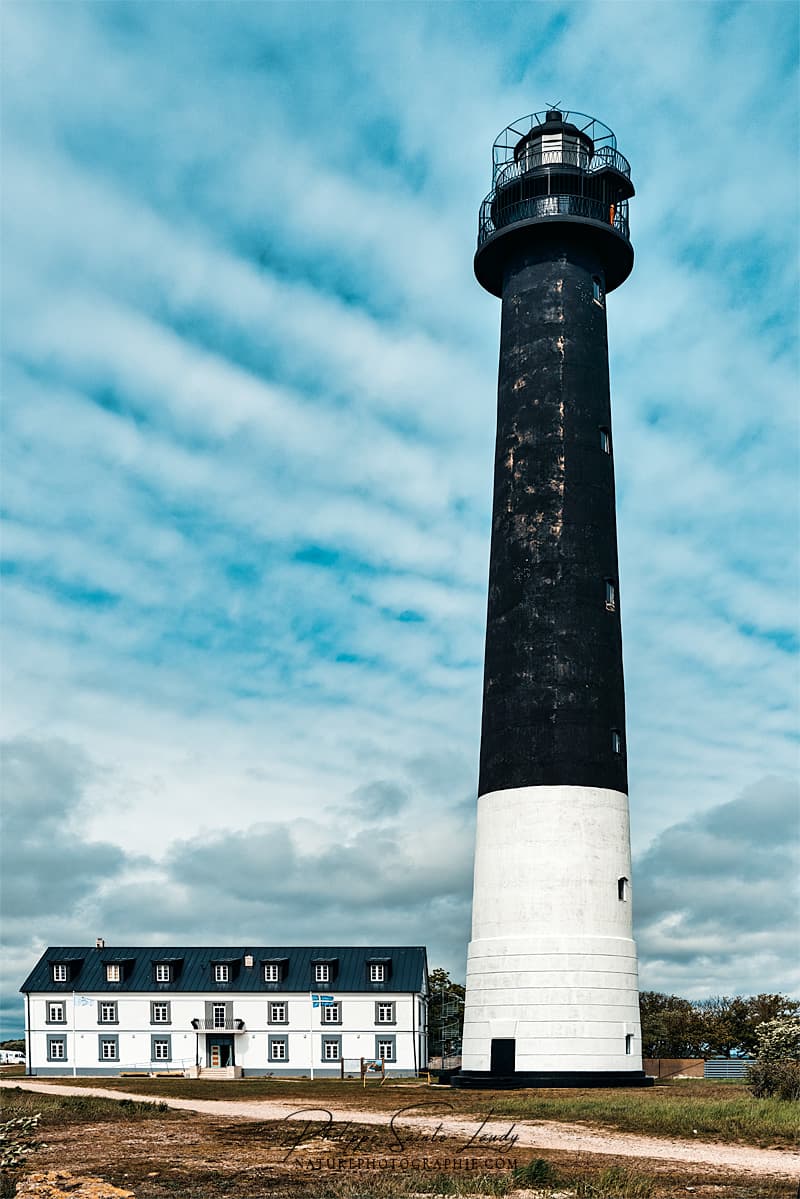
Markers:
77,1109
158,1152
687,1108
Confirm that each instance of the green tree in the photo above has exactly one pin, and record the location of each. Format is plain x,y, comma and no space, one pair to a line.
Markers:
727,1025
445,1014
670,1026
765,1008
731,1024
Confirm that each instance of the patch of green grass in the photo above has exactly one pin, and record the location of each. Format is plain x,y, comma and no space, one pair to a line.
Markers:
78,1109
692,1109
340,1092
537,1172
729,1116
617,1182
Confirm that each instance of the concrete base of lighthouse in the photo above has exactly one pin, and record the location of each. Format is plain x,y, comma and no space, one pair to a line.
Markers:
552,981
485,1081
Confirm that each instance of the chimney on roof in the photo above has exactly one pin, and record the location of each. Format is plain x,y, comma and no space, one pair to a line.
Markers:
248,960
99,943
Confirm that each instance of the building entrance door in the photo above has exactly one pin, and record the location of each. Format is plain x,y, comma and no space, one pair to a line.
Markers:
503,1052
220,1051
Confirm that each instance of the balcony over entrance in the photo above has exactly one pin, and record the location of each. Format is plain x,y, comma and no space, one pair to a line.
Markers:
218,1024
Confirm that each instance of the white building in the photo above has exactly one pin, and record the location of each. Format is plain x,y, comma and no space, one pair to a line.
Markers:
242,1010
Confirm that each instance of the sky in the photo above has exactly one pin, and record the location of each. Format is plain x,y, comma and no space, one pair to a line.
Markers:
248,425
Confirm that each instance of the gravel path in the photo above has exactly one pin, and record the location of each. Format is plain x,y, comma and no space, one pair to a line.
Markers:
535,1134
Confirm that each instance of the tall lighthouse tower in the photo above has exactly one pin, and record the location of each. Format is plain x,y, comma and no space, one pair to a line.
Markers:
552,990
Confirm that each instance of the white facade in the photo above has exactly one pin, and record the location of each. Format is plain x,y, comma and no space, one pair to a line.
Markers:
552,962
249,1010
85,1033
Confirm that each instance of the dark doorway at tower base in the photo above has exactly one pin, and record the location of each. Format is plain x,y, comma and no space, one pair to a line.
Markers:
503,1056
486,1081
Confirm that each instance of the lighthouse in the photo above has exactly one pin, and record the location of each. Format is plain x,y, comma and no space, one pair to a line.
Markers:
552,985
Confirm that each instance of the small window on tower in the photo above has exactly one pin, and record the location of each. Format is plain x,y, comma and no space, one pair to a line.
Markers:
616,741
622,888
598,295
605,439
629,1042
611,595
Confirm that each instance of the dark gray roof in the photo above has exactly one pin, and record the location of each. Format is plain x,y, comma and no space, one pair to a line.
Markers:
192,968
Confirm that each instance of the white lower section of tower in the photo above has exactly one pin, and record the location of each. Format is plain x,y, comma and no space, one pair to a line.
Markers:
552,961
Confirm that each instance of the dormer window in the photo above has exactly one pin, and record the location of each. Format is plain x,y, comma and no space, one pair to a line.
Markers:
377,972
324,970
163,972
113,972
272,972
60,972
222,972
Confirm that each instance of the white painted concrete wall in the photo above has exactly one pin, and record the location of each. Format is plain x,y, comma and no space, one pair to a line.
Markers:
552,962
304,1029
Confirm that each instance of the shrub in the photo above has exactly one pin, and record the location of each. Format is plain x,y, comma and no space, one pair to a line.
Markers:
617,1183
538,1171
17,1140
781,1079
777,1071
778,1040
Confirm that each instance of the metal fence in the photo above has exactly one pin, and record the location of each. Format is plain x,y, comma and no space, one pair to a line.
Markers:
728,1067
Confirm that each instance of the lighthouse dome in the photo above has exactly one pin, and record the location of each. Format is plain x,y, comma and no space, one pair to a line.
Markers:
555,142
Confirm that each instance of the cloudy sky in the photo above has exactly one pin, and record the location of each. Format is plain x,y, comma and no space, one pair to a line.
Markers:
249,389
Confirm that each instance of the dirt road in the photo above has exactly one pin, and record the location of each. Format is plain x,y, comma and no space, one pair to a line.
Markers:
743,1159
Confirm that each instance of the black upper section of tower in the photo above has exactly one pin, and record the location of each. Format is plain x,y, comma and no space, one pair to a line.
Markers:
554,702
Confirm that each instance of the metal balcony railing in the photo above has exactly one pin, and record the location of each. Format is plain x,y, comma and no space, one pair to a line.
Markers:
602,160
505,147
538,207
235,1025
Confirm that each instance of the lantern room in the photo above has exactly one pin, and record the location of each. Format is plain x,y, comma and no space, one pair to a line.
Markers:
554,143
552,169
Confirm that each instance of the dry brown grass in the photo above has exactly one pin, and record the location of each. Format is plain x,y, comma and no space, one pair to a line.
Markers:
690,1109
172,1155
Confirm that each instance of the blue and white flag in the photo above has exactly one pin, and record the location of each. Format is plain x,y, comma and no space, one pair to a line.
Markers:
321,1000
